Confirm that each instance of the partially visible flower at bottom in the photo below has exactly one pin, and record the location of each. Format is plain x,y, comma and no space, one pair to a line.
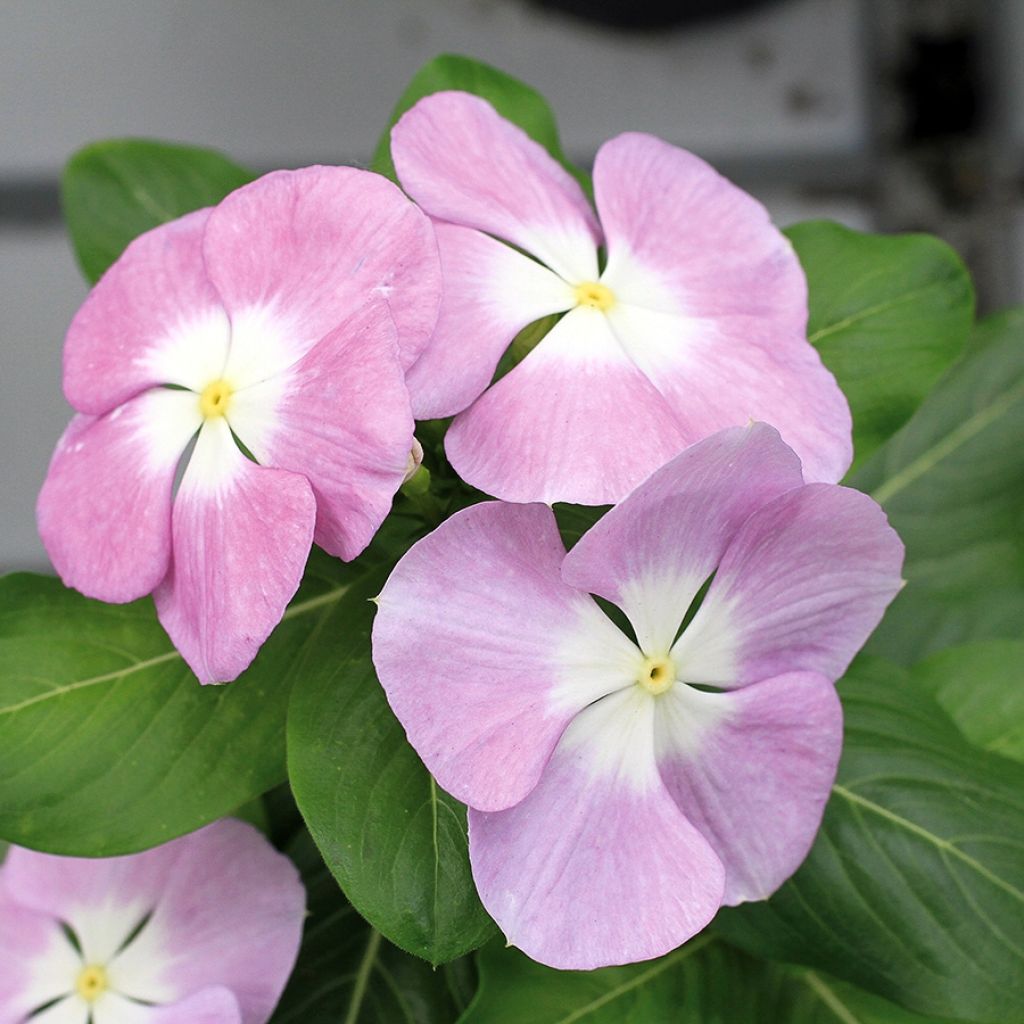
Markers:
202,930
621,789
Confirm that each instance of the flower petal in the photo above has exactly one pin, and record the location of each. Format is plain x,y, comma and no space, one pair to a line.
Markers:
104,511
486,655
491,292
652,553
37,963
464,163
293,252
230,914
597,865
714,302
752,770
575,421
73,1010
241,535
153,318
341,418
213,1005
801,587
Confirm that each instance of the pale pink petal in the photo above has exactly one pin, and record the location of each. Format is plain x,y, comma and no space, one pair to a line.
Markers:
725,371
713,301
485,654
597,865
651,554
230,914
295,251
801,587
464,163
575,421
752,771
37,963
341,418
153,318
491,292
104,511
241,535
214,1005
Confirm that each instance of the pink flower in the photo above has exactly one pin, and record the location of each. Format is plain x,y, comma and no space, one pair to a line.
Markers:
202,930
697,322
621,790
284,318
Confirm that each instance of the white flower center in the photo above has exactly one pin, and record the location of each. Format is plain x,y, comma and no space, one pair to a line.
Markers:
215,398
656,675
596,295
92,982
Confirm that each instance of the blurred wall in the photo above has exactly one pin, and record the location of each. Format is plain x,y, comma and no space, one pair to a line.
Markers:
778,98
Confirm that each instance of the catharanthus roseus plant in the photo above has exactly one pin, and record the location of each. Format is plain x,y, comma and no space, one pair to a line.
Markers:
276,325
621,789
203,930
694,320
610,734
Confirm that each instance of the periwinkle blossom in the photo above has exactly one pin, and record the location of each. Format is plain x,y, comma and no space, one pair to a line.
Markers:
202,930
281,320
696,322
620,789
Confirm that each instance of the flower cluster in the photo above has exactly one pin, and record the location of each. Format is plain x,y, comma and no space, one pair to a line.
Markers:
644,727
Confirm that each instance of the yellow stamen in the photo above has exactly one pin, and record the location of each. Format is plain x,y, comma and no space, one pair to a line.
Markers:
92,983
595,295
656,675
215,399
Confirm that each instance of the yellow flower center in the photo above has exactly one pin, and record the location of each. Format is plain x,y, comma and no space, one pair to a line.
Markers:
92,983
656,675
215,398
595,295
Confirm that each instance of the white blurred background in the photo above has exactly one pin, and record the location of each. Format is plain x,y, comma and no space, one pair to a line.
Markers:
884,114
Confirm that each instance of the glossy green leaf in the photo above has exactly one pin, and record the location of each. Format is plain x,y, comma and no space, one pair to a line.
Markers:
346,972
952,483
704,982
392,838
914,888
108,744
888,314
514,100
981,687
113,191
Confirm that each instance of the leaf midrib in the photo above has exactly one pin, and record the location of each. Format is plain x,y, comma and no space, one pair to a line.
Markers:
292,612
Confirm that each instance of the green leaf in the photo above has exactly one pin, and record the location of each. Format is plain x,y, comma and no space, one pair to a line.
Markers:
346,972
393,839
914,888
888,314
981,687
114,191
952,483
703,982
514,100
108,744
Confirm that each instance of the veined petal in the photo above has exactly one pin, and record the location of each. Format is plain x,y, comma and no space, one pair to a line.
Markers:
341,418
597,865
153,318
485,654
241,534
294,252
722,372
214,1005
491,292
464,163
752,771
230,916
804,582
575,421
104,511
37,963
713,302
652,552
